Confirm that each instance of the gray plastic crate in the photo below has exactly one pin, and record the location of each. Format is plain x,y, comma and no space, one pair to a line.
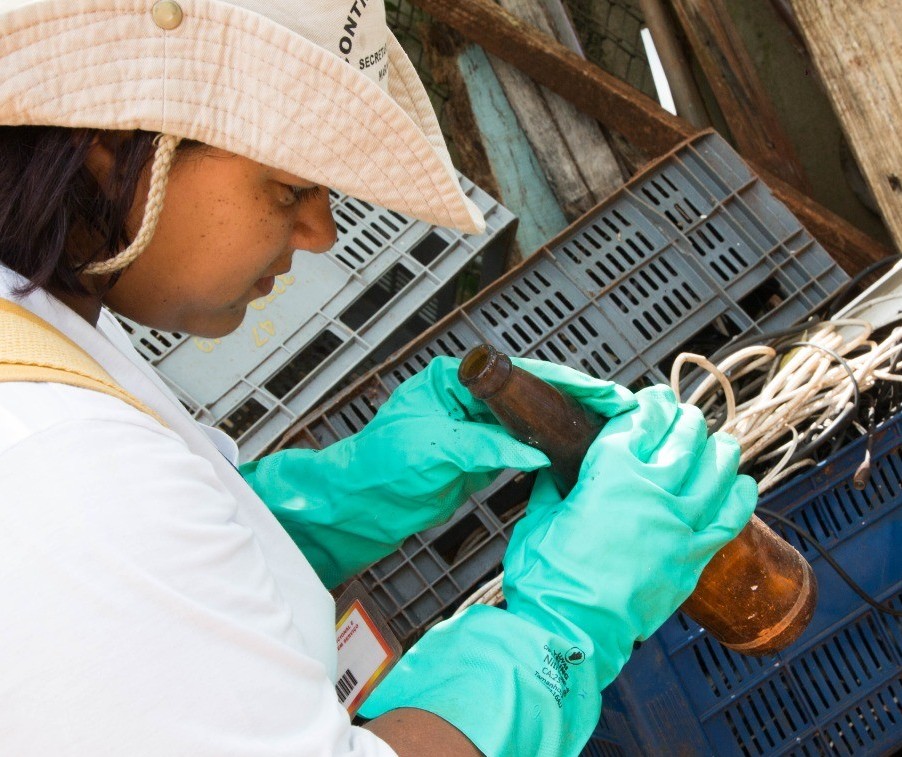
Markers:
689,254
387,279
435,569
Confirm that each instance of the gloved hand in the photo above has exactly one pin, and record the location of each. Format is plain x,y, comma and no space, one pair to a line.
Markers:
585,577
429,447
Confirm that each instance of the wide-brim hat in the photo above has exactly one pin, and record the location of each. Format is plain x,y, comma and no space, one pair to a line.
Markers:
318,88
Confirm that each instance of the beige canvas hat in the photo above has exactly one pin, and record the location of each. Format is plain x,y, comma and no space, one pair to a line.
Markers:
318,88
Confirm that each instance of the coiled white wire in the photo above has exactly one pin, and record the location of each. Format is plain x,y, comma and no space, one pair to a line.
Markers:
806,389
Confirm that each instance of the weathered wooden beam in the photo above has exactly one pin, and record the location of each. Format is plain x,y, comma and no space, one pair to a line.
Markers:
558,17
490,148
627,111
856,47
521,179
592,90
743,100
563,29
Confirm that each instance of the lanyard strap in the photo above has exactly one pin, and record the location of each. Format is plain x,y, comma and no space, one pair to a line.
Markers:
33,350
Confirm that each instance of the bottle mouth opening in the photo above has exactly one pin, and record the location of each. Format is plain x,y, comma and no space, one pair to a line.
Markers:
484,371
476,362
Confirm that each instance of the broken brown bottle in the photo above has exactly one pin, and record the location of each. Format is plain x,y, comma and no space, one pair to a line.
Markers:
755,596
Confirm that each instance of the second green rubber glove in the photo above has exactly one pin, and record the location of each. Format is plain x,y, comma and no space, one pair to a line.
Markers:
586,576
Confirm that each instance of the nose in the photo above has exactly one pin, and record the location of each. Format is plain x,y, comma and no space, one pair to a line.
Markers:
314,228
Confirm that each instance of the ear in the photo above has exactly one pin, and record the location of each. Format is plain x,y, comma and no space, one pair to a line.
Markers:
100,158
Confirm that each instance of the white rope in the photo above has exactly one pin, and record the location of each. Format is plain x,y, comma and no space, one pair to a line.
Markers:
489,594
159,175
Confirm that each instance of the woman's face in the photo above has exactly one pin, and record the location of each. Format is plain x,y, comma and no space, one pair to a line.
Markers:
228,226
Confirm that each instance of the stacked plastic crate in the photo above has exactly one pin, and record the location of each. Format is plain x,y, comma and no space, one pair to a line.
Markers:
690,254
387,279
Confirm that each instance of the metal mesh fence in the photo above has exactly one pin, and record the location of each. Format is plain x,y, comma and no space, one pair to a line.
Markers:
408,24
609,31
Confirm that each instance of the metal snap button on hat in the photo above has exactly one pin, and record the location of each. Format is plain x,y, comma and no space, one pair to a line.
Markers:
167,14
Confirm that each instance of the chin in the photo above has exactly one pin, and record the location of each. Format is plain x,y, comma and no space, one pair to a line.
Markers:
200,322
217,329
214,326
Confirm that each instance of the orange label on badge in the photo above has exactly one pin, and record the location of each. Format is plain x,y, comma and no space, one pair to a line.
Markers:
366,652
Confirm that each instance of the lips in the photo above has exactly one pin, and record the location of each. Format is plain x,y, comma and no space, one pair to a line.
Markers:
264,286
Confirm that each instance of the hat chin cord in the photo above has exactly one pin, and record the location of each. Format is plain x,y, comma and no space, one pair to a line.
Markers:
163,158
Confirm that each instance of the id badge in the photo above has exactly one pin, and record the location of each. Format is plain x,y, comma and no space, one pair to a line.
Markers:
367,649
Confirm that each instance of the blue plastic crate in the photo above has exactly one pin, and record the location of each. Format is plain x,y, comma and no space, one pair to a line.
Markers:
838,689
613,736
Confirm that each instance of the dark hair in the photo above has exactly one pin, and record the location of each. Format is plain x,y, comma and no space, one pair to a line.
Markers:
49,199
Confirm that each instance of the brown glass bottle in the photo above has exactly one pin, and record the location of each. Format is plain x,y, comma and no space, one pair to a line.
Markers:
756,595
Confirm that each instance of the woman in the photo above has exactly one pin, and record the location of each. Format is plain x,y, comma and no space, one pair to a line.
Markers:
164,161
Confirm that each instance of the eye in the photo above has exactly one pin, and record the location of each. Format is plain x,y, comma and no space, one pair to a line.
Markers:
303,194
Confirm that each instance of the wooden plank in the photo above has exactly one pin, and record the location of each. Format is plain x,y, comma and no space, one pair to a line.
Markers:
523,187
570,146
488,145
563,30
627,111
738,89
441,48
856,46
559,18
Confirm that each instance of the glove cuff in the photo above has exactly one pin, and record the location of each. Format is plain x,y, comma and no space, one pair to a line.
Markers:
508,685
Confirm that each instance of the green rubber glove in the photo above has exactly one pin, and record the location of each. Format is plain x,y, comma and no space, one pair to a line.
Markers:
585,578
429,447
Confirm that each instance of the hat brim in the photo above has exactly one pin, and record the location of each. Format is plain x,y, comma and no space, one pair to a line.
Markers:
239,81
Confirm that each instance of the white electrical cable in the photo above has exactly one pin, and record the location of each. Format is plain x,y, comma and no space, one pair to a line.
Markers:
717,373
805,390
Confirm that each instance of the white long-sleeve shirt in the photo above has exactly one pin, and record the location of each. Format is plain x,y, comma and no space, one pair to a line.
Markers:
150,604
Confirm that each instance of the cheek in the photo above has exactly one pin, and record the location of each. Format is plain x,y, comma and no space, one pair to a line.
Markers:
205,257
253,237
231,250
